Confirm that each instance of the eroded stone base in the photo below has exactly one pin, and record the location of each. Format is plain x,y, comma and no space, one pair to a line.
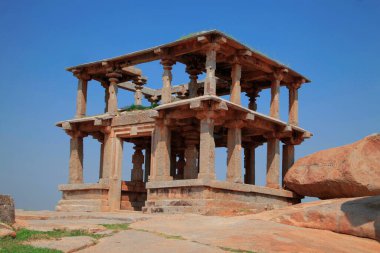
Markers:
214,198
94,197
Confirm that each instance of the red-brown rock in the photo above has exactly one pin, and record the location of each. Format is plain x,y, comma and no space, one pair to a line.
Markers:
348,171
354,216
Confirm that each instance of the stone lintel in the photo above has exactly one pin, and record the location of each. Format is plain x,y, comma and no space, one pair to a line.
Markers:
222,185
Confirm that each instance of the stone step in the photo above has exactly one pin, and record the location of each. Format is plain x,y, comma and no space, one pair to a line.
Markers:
84,205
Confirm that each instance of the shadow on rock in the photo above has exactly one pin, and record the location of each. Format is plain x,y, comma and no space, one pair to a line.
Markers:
363,212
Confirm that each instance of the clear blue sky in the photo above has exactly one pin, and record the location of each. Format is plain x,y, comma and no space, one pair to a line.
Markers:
335,43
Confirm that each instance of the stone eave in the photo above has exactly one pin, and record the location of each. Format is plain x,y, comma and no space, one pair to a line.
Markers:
149,54
232,106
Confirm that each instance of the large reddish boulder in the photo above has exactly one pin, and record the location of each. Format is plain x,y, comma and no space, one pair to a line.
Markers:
353,216
349,171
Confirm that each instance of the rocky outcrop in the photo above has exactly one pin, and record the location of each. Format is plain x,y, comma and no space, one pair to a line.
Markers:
7,209
6,230
354,216
349,171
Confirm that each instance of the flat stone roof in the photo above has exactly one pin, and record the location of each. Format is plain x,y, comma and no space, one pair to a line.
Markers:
150,54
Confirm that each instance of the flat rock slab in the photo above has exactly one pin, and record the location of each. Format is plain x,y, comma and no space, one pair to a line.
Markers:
256,235
353,216
131,241
66,244
90,225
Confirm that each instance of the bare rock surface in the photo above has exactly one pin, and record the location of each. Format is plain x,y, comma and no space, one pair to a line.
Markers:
196,233
88,221
242,233
353,216
348,171
131,241
7,232
66,244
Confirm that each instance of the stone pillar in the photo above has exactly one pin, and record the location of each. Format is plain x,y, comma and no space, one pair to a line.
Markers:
235,87
287,159
273,162
166,80
173,163
275,93
81,96
191,156
180,165
207,148
137,161
210,81
101,160
114,193
76,159
234,171
253,94
193,71
293,103
139,82
147,163
160,160
112,92
249,165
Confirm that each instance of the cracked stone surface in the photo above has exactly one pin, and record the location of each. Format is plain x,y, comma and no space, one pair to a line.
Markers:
66,244
131,241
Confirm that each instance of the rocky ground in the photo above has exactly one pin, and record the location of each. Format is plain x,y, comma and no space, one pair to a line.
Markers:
185,233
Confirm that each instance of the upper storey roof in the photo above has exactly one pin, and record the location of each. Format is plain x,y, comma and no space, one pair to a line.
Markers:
256,67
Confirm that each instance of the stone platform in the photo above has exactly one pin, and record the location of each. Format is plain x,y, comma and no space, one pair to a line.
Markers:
212,197
94,197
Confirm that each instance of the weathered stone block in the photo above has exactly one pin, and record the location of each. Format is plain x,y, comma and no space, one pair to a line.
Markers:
7,209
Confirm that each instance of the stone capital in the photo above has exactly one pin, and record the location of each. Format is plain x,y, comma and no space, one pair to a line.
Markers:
81,74
296,85
211,47
279,74
167,63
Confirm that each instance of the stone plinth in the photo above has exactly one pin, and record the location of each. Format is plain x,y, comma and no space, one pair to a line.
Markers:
212,197
133,195
7,209
83,197
94,197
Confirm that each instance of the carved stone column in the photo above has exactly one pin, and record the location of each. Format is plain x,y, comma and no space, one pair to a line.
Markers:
193,68
206,146
287,159
210,81
273,162
81,95
137,161
76,158
253,94
112,92
114,193
293,102
166,80
234,171
191,155
147,162
161,149
235,87
249,164
139,82
275,93
180,164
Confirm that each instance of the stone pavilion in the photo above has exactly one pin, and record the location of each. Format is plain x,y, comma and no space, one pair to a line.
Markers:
173,164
